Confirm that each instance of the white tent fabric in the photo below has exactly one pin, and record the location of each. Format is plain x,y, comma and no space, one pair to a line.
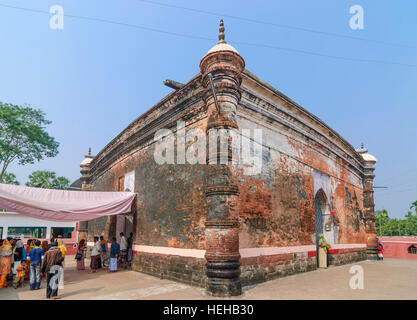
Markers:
62,205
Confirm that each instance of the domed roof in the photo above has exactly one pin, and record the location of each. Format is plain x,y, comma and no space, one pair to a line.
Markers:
88,158
222,45
365,155
368,157
86,161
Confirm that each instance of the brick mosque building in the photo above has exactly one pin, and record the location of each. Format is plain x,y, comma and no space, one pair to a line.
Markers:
209,224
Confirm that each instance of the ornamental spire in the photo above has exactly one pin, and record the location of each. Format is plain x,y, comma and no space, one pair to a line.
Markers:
221,32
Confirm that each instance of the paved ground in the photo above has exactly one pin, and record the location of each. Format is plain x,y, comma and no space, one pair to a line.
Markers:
389,279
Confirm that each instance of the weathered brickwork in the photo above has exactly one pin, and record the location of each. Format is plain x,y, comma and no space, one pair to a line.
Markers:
346,257
261,269
310,177
98,227
277,206
183,269
165,216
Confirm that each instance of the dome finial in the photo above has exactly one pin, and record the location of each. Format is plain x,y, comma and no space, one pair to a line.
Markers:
89,151
221,32
362,149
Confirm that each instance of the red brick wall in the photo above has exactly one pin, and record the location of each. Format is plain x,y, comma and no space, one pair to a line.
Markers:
276,207
397,247
171,204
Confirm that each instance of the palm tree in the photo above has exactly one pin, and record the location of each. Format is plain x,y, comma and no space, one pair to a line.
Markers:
10,178
47,180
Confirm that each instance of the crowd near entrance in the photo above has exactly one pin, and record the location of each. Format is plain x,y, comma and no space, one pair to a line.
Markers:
42,264
31,262
106,254
36,261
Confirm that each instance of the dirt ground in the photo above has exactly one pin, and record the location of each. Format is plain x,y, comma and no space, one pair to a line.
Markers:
388,279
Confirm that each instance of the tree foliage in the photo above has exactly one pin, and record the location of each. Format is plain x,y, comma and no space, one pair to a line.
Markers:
23,136
386,226
414,206
10,178
47,180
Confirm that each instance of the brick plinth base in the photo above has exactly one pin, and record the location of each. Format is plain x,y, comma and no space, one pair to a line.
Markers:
339,257
187,270
192,271
265,268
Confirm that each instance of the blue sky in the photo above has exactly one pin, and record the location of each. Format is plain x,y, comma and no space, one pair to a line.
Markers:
93,78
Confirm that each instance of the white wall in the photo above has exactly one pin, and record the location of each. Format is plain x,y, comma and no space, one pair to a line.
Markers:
11,219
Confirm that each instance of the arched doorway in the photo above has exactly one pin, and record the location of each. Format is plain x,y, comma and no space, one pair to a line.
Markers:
321,207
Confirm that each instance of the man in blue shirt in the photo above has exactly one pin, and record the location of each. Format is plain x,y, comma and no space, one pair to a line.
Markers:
114,253
35,256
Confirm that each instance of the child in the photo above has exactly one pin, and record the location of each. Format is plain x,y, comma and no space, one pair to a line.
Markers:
380,255
20,276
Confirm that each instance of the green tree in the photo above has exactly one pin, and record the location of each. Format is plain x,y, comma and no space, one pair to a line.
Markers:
61,183
393,226
10,178
23,136
47,180
386,226
411,222
382,222
414,206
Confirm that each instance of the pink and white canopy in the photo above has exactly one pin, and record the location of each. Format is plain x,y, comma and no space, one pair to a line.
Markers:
62,205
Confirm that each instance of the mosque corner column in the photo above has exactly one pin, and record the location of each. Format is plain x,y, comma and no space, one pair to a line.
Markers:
85,186
221,70
369,204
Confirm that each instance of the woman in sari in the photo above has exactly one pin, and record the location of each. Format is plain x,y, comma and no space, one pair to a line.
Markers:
80,251
33,244
28,247
63,248
19,254
5,262
381,249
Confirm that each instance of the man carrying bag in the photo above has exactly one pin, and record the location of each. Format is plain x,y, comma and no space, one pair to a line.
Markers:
52,266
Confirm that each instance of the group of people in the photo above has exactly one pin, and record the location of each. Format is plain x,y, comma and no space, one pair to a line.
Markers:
102,257
36,259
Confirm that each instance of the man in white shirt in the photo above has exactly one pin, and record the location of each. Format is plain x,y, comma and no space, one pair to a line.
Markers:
123,249
95,254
